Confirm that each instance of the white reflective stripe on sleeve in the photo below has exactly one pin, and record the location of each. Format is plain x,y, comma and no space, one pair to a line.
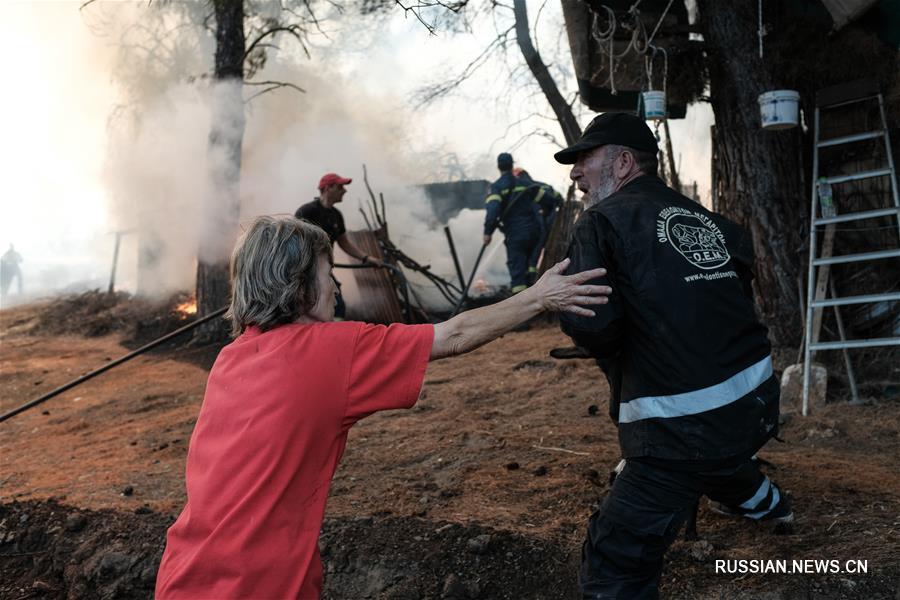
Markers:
759,495
758,515
698,401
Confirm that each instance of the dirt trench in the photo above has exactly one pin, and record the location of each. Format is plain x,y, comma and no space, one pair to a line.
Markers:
52,550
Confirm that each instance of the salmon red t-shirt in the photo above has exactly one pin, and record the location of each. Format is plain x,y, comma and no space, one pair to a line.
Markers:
269,437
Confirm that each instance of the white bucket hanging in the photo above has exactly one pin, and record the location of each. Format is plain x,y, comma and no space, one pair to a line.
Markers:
654,105
779,109
655,100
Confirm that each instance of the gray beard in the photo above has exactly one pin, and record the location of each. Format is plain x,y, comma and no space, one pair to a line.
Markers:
598,195
606,189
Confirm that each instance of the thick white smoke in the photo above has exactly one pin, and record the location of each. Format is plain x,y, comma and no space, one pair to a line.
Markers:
110,134
159,164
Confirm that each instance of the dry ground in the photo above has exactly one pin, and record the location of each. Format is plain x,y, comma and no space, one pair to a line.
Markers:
503,442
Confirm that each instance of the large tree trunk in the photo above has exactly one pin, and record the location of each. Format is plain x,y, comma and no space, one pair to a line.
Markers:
222,208
759,172
567,121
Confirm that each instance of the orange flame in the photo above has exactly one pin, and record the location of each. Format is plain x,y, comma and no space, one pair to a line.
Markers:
480,286
187,308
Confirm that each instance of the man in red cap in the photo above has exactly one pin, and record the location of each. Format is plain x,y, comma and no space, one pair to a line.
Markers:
321,212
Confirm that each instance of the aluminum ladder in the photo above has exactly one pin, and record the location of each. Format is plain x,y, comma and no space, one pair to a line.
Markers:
856,92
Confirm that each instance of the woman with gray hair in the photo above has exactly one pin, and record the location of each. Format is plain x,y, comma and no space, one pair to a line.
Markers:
281,399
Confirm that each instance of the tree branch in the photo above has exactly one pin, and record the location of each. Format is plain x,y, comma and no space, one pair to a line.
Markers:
414,9
294,30
567,122
539,133
429,94
88,2
273,85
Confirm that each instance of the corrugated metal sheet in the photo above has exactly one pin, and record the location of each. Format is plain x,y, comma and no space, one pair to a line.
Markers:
379,303
448,198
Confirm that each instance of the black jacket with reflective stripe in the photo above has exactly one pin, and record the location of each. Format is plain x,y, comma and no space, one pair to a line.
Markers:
687,360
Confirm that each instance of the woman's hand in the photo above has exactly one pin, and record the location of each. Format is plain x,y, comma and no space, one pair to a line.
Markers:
553,291
556,292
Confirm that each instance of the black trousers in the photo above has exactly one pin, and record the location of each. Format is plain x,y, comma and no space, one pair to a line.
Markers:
622,556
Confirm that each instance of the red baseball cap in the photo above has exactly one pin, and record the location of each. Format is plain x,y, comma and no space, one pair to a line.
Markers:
332,179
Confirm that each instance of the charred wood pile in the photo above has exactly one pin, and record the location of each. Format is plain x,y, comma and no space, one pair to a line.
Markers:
389,298
387,292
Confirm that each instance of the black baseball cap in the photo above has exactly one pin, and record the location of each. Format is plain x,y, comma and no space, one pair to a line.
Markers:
621,129
504,160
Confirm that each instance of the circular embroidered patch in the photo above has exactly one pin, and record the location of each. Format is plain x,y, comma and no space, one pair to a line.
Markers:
695,236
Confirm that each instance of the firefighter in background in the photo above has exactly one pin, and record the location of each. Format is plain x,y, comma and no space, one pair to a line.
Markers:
519,220
548,202
9,270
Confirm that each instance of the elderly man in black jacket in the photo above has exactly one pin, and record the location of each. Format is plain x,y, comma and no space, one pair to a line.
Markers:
688,363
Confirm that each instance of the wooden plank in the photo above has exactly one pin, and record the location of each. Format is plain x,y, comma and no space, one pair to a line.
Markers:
822,280
379,302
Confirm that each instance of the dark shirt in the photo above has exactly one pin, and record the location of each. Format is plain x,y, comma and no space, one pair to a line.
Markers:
329,219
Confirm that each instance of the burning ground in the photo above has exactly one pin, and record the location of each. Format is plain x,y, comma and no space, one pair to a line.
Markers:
480,491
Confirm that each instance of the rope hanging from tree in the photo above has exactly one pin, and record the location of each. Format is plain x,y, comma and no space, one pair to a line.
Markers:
640,42
760,31
648,66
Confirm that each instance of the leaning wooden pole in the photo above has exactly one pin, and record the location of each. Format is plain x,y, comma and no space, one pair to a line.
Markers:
462,281
465,292
111,365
